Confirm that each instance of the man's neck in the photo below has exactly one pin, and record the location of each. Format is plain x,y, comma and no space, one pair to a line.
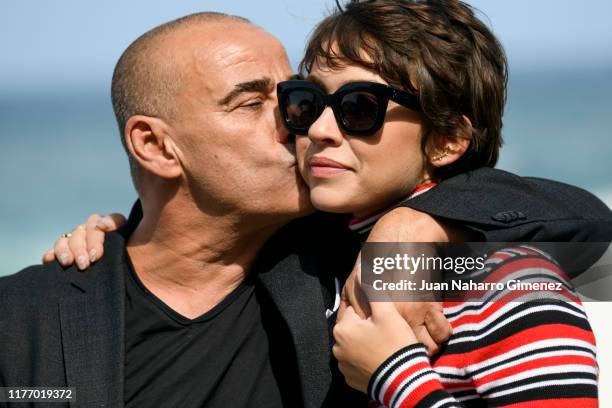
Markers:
191,260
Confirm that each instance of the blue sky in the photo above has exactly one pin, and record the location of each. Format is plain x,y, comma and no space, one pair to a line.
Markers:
47,44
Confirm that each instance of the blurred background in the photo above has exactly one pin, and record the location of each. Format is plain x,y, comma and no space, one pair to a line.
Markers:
61,154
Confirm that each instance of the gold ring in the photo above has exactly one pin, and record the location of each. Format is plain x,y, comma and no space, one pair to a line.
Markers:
66,235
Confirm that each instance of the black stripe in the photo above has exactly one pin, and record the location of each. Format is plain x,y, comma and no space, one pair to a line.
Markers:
551,316
511,329
517,357
409,383
517,257
481,305
537,394
465,393
570,375
475,403
492,298
374,393
477,306
435,396
530,320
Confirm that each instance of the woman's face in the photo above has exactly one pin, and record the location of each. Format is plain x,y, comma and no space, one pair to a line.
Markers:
354,174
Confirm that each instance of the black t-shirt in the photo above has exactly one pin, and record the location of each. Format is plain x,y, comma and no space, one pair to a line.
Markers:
238,354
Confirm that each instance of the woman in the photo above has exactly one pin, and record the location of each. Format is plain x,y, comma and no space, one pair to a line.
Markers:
401,95
417,89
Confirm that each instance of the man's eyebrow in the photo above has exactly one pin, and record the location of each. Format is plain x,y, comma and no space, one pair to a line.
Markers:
262,85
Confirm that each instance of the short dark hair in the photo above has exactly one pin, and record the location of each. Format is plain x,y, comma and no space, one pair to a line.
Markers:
144,82
436,48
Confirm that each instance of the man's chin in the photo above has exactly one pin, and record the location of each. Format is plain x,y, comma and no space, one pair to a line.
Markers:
303,204
306,207
292,199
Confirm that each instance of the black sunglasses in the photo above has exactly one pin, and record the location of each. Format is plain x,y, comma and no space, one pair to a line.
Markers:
359,107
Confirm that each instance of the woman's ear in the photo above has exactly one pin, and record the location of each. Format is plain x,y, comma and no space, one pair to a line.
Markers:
443,150
149,143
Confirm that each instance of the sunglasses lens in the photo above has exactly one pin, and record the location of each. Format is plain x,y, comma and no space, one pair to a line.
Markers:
359,110
301,108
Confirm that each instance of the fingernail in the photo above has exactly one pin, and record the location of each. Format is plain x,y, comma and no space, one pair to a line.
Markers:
92,255
107,222
63,257
82,261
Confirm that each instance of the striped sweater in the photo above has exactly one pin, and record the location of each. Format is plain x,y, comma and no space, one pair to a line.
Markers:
502,353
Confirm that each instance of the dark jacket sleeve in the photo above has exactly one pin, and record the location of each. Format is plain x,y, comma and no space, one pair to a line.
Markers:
504,207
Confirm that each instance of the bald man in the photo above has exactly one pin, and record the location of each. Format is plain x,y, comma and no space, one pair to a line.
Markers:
213,298
189,309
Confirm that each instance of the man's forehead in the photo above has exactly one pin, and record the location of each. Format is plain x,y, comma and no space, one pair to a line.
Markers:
227,53
225,41
222,59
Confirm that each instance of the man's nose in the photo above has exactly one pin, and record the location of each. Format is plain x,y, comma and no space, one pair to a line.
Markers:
325,129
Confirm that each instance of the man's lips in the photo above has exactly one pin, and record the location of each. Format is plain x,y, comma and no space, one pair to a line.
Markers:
324,167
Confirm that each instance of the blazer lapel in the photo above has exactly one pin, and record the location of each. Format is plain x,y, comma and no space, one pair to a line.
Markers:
296,292
92,327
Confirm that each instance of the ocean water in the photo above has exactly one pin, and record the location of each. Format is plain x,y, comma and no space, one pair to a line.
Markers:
62,158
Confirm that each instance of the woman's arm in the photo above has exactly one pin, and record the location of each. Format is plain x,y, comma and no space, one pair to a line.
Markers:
382,357
408,225
516,354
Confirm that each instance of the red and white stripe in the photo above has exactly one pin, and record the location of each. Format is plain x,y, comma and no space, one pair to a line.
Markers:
515,354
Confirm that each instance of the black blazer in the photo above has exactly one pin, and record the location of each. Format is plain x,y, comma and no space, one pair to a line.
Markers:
65,328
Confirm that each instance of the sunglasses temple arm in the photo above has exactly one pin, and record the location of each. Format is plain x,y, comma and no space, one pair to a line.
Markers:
407,100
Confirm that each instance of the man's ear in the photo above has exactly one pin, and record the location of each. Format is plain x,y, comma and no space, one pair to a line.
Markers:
149,142
443,150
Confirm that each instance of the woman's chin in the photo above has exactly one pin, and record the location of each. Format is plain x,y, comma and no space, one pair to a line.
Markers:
333,202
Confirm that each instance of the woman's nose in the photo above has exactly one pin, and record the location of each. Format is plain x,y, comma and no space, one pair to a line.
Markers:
325,129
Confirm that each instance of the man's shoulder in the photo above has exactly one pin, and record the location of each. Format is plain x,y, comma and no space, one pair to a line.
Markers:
34,277
40,283
35,283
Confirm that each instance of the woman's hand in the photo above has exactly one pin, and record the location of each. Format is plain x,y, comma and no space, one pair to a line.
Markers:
362,345
407,225
426,319
86,243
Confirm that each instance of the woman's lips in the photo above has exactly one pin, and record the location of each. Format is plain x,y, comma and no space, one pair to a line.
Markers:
325,167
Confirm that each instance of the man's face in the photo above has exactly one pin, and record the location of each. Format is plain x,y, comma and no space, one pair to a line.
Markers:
232,144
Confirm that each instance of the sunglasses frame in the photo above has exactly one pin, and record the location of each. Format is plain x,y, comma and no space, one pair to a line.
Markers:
382,92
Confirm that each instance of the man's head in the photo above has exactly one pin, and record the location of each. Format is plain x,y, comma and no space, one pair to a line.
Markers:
195,102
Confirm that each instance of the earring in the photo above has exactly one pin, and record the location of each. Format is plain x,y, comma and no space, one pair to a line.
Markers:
441,155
